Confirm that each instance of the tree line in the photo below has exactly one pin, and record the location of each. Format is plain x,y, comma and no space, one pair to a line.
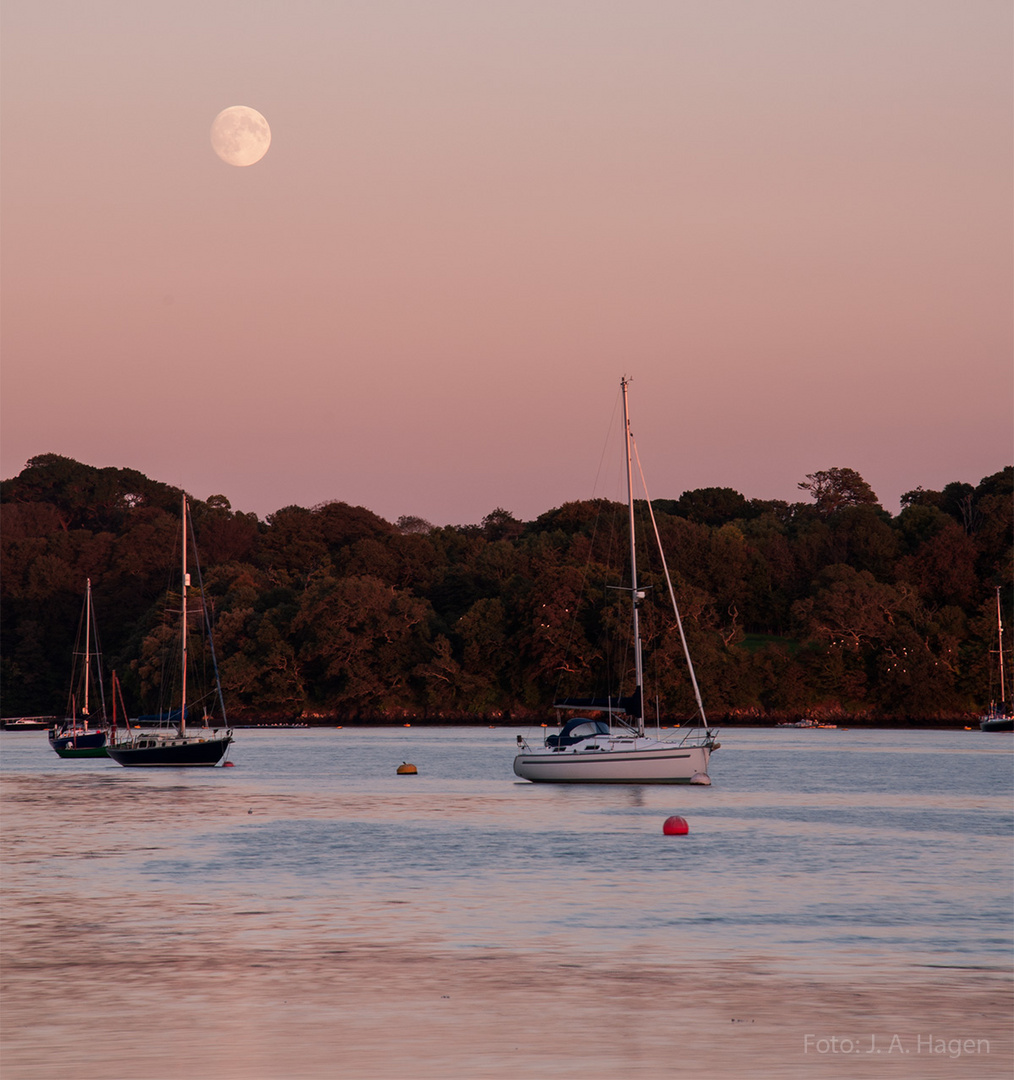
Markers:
827,606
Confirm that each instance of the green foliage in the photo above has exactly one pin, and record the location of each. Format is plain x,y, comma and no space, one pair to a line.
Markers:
333,611
835,489
710,506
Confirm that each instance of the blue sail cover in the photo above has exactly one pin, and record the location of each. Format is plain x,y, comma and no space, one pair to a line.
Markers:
631,705
576,730
171,717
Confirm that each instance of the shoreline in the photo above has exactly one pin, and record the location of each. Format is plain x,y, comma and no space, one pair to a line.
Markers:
965,724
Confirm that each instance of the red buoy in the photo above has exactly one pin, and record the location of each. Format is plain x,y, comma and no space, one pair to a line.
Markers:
228,764
675,826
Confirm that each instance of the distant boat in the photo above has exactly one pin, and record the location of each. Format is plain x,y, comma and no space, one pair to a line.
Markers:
27,723
175,743
82,734
998,716
592,750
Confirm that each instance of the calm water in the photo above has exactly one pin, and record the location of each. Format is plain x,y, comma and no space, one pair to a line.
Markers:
814,850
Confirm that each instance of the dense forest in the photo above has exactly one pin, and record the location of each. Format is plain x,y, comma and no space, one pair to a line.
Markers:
829,606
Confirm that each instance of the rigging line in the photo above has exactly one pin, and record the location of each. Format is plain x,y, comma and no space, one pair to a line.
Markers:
591,548
98,663
76,671
668,581
572,631
613,424
617,649
166,655
207,623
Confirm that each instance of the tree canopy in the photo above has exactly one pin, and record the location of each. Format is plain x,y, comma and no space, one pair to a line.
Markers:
835,489
331,611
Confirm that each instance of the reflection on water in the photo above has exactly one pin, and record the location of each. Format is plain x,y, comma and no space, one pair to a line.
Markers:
815,854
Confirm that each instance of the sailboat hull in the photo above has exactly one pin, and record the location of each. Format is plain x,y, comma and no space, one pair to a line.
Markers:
150,751
80,751
997,723
83,744
654,763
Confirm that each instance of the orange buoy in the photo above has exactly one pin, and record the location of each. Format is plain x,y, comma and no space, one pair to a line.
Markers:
675,826
405,769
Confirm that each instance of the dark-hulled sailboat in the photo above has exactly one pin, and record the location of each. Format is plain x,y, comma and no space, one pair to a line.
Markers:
82,733
173,742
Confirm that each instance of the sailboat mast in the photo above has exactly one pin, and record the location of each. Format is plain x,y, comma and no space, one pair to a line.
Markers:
635,595
88,644
183,649
999,646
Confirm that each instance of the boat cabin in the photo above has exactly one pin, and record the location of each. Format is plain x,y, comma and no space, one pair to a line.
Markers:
574,731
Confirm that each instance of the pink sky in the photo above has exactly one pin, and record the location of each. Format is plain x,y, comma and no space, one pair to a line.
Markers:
789,221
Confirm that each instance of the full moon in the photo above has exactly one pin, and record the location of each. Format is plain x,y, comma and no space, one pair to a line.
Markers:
240,135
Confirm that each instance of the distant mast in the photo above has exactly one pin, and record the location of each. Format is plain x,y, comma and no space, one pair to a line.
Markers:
999,646
88,642
635,595
183,692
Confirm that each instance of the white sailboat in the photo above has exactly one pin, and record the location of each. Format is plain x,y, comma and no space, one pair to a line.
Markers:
175,744
616,750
